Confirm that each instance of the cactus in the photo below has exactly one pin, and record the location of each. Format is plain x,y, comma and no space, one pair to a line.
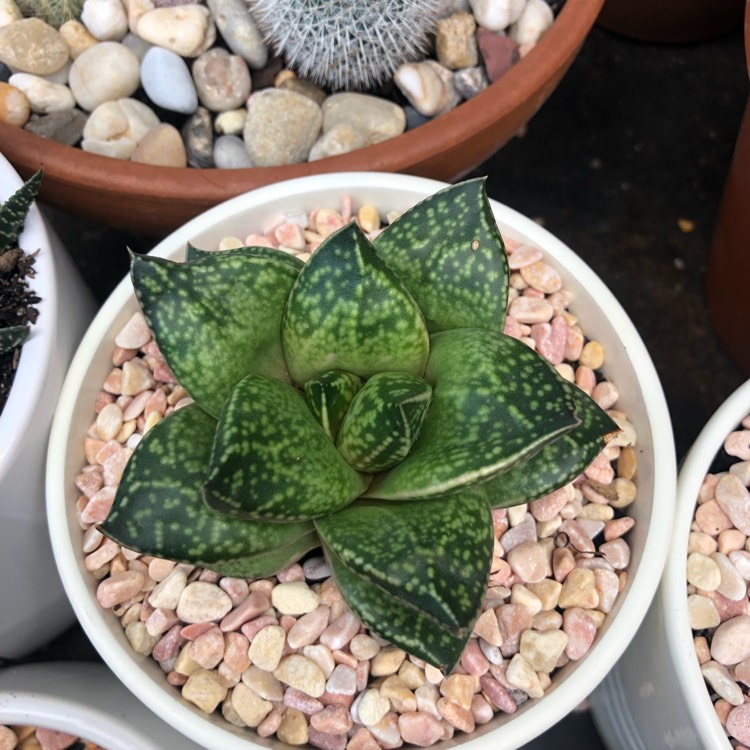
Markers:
347,44
367,402
54,12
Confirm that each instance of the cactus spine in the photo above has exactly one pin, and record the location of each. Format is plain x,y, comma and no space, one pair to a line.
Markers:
347,44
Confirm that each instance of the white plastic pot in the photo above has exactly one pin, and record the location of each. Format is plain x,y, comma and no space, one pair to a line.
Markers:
628,364
656,696
86,700
35,608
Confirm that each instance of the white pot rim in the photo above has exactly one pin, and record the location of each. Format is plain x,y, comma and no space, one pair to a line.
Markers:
38,350
672,597
608,647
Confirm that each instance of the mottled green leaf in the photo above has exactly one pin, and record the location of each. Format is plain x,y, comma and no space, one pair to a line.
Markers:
449,253
559,462
12,336
193,253
383,421
414,572
328,397
14,210
215,319
494,403
159,508
349,311
272,460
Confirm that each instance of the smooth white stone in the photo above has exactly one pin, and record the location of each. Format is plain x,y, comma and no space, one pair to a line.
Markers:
9,12
167,81
106,20
116,128
44,97
104,72
536,18
496,15
186,30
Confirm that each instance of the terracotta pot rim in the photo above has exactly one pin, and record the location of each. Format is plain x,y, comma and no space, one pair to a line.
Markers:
478,114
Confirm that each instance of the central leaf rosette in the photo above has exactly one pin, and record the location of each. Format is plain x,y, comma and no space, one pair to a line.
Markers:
366,402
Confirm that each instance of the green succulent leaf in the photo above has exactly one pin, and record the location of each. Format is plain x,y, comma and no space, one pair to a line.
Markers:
193,253
349,311
272,460
414,572
495,402
329,396
448,252
14,210
557,463
159,509
216,318
383,421
11,337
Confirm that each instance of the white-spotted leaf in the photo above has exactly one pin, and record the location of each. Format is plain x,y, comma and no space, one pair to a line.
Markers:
273,461
329,396
414,572
448,252
494,403
216,318
383,421
159,508
349,311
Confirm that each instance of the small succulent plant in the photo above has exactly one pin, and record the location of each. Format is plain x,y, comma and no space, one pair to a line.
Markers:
367,402
53,12
13,213
347,44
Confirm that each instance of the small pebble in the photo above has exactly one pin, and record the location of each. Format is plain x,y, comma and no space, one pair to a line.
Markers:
167,81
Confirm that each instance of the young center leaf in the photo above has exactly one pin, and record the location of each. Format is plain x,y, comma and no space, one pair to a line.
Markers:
328,397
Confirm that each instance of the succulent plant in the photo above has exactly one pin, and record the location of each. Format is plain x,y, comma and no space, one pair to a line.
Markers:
13,213
347,44
367,402
54,12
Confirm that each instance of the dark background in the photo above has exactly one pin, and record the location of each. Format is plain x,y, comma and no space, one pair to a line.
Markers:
626,164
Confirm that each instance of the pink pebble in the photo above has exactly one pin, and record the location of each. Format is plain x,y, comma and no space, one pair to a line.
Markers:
524,255
169,645
194,630
419,728
236,647
306,630
711,519
738,444
249,629
362,739
103,399
738,723
177,678
618,527
119,588
294,698
581,631
497,694
600,470
547,507
473,660
332,720
340,631
326,741
50,739
255,604
208,648
585,379
258,240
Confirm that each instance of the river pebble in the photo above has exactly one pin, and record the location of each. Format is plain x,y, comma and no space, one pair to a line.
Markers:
284,656
475,43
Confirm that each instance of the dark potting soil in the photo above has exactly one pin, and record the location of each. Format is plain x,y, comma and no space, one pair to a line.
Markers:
16,308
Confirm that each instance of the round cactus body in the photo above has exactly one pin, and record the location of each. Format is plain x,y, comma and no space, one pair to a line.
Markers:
347,44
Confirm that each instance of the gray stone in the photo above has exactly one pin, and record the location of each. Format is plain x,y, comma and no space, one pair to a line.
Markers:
239,30
197,133
470,81
230,153
63,127
281,127
377,119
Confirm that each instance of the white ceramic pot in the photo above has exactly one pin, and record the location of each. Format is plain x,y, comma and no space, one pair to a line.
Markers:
656,696
628,363
35,607
86,700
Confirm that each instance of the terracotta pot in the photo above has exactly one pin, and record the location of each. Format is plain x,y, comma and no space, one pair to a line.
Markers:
671,21
628,365
156,200
37,609
729,259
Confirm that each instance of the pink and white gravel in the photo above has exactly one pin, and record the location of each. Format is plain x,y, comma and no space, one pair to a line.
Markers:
284,656
718,572
26,737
